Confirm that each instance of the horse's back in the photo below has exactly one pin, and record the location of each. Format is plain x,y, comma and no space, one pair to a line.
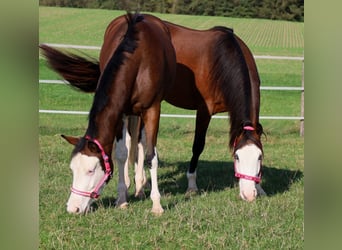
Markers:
194,50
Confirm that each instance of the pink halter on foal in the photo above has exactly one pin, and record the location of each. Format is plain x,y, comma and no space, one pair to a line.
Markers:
257,179
95,194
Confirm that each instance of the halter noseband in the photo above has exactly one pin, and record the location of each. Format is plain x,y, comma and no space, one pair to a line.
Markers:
108,172
257,179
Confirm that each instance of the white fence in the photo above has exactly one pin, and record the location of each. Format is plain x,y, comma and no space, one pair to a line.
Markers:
301,117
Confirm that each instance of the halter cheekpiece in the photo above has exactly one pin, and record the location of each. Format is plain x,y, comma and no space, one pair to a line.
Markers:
257,179
108,172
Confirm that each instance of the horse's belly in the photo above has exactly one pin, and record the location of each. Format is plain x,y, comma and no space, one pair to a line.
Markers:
184,94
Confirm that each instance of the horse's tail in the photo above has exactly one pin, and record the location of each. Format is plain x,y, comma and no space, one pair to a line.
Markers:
82,73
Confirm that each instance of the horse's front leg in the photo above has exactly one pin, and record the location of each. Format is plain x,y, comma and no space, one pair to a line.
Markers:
121,155
202,123
151,121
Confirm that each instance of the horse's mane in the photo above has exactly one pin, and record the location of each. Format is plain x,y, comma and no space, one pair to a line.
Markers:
223,28
128,44
230,72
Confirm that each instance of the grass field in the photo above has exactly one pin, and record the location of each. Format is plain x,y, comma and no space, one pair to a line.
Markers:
216,218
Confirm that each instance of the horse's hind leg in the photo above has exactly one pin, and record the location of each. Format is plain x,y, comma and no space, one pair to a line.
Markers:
140,175
202,123
151,121
137,144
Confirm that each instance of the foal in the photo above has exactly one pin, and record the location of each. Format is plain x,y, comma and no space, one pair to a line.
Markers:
137,67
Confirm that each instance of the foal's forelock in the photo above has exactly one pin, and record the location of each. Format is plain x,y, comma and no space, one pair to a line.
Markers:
247,138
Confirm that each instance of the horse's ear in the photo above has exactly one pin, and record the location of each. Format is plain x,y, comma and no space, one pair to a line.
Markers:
71,139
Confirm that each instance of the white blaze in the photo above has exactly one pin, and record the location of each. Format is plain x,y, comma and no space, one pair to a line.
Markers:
248,162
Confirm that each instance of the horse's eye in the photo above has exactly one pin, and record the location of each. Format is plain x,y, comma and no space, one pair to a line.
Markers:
236,157
91,172
260,157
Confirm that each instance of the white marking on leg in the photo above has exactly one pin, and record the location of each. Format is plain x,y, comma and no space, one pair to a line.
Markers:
155,195
121,153
128,142
140,175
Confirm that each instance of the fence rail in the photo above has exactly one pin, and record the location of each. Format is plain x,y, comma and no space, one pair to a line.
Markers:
261,87
71,112
296,58
73,46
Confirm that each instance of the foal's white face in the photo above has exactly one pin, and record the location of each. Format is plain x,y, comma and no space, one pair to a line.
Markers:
87,173
248,162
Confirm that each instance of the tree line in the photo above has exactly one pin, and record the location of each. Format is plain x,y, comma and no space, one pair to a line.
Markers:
290,10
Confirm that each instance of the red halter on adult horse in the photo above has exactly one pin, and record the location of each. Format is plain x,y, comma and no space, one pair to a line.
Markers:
216,72
137,67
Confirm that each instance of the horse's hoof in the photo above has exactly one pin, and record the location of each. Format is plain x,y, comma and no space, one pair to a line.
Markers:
157,211
191,191
141,195
123,205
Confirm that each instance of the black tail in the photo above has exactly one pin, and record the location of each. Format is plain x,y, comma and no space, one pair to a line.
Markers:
82,73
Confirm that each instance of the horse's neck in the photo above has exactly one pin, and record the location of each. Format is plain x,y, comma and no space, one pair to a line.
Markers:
105,127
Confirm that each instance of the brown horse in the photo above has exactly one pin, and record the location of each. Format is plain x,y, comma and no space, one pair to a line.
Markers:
216,72
137,67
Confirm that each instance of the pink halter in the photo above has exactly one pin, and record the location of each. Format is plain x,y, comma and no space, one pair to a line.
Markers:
108,172
257,179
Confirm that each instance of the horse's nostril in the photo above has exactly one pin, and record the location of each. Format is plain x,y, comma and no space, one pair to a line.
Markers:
77,210
249,197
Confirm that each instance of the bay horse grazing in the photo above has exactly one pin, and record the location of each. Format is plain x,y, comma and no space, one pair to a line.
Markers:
216,72
137,66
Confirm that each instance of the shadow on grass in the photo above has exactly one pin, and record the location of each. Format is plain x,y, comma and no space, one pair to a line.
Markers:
213,176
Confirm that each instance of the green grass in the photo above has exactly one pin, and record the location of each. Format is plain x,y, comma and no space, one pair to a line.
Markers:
88,26
216,218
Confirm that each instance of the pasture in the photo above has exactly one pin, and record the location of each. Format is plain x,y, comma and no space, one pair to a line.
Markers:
215,218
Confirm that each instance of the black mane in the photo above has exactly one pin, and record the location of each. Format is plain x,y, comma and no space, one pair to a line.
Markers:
230,72
128,44
223,28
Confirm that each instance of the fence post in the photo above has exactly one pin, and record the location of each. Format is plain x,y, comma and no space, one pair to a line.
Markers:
301,131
